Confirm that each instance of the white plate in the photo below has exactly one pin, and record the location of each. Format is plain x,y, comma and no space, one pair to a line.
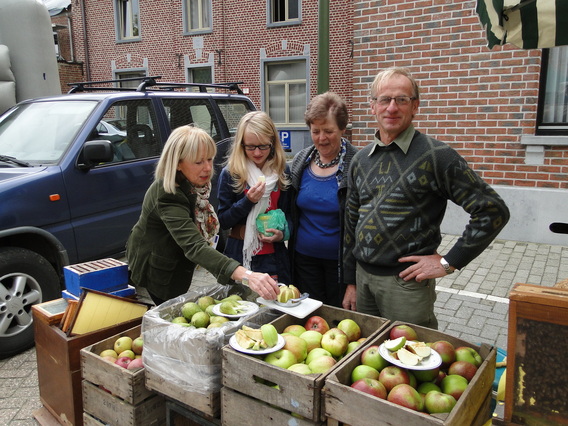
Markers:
250,308
302,310
428,363
279,345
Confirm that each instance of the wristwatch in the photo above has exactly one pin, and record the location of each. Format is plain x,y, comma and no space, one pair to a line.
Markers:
446,266
245,280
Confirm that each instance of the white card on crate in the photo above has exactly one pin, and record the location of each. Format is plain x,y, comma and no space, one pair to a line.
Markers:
302,310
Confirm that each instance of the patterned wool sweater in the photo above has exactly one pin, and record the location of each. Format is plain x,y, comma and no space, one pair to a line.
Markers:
396,202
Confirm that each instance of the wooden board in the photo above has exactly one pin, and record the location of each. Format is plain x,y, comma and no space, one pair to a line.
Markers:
537,341
115,411
347,405
293,392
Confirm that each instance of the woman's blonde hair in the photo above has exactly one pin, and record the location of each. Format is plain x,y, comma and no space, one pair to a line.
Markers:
259,123
185,143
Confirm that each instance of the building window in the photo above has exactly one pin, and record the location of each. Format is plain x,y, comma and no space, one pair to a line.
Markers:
199,75
197,15
552,118
128,19
130,79
286,90
284,11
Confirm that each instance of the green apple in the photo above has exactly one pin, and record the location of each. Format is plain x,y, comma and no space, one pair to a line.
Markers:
282,358
127,353
316,353
179,320
454,385
300,368
218,319
109,352
322,364
350,328
426,387
363,371
205,301
352,346
123,343
200,320
406,396
189,309
313,338
297,346
465,353
295,329
335,341
138,345
373,358
438,402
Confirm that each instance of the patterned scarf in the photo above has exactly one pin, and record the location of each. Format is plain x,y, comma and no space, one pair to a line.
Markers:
205,216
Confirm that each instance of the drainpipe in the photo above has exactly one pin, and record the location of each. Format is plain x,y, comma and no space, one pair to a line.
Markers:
85,41
323,46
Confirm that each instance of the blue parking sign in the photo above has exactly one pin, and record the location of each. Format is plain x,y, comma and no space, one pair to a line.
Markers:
285,139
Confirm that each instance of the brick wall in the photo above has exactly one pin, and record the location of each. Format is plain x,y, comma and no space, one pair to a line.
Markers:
478,100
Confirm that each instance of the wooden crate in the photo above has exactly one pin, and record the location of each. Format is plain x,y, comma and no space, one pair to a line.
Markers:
178,414
112,410
348,405
537,382
295,392
238,409
59,367
128,385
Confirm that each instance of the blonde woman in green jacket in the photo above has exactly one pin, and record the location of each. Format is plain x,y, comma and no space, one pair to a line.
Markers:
177,224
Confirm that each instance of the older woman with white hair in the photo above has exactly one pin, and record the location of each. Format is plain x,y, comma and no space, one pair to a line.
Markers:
177,224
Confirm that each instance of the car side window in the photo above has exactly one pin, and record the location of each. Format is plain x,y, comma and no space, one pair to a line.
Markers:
132,128
198,112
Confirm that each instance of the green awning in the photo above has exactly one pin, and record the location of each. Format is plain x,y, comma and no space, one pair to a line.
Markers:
528,24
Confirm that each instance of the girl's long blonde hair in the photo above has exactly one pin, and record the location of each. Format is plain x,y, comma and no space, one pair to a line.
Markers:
259,123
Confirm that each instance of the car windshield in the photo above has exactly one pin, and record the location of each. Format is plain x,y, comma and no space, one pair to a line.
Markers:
40,132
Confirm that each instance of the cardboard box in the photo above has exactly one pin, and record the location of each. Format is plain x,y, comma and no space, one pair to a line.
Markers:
59,367
350,406
129,385
297,393
536,383
104,275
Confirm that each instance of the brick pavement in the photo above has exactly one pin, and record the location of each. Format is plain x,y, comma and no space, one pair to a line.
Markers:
472,304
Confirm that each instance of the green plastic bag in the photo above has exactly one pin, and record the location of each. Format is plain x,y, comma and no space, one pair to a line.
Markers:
274,219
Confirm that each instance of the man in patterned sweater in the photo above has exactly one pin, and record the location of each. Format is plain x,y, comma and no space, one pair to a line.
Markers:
398,190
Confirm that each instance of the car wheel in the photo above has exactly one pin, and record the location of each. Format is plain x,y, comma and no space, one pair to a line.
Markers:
26,278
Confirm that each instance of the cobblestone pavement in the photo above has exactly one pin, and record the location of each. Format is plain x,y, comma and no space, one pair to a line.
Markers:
472,305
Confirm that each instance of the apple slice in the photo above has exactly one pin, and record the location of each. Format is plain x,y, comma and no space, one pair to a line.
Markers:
395,344
407,357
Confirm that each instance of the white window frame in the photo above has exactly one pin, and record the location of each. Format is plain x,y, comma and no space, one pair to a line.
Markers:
205,16
127,20
272,5
286,83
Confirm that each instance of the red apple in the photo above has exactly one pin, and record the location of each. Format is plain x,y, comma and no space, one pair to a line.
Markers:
403,330
372,387
135,363
391,376
406,396
373,358
351,328
299,347
438,402
427,375
362,371
317,323
454,385
464,369
335,341
446,351
123,361
465,353
441,375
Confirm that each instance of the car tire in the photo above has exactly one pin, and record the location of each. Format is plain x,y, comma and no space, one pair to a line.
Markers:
26,279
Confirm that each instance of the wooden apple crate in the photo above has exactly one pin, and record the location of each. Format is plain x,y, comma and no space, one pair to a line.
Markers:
59,367
537,385
238,409
115,411
128,385
297,393
345,404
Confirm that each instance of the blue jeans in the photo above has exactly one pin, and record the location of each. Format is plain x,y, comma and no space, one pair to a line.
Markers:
393,298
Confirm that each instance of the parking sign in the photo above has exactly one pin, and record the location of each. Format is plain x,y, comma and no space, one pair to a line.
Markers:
285,139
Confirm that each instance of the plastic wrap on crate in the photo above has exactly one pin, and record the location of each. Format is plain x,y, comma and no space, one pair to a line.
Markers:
185,356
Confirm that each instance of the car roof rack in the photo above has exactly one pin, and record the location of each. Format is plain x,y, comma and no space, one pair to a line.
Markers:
150,83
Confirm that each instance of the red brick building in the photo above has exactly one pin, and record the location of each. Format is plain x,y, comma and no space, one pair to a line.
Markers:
490,105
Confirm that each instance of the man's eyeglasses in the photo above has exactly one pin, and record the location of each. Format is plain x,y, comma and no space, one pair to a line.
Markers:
253,147
386,100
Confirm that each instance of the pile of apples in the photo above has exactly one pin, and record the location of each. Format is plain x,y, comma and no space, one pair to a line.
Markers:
431,391
126,352
314,347
200,314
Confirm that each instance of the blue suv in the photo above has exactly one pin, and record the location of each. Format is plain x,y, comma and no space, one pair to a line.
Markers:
73,172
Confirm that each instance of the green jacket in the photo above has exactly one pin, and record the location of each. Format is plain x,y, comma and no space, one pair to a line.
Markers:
165,245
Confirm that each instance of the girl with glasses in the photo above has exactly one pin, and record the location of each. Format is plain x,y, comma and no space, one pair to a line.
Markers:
255,181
